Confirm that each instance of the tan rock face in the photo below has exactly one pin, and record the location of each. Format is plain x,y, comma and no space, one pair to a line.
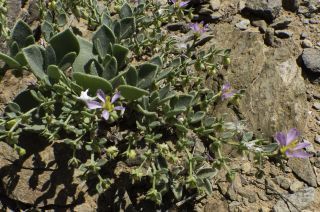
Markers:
275,90
42,179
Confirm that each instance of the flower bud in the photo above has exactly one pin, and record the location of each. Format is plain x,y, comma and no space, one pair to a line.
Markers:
52,5
10,124
226,61
131,154
112,151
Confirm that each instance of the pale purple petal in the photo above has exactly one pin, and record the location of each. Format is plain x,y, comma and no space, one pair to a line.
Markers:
280,138
101,95
105,115
93,105
173,1
298,154
183,3
226,87
120,108
228,94
301,145
292,135
115,97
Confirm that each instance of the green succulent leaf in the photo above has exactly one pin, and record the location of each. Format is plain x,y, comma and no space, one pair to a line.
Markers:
111,69
182,101
47,30
67,60
84,56
14,107
132,76
120,53
49,56
54,73
11,62
20,32
126,11
35,60
64,43
127,27
131,93
157,61
206,173
146,75
106,37
14,49
93,83
198,116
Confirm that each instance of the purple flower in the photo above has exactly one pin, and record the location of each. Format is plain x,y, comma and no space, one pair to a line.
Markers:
227,91
198,28
180,3
105,104
289,144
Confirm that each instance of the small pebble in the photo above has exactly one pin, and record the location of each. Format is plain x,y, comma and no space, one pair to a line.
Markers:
317,139
316,105
243,25
303,35
296,186
306,44
283,33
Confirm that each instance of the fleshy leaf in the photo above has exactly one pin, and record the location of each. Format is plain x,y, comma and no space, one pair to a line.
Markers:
93,83
84,56
64,43
35,60
131,93
146,75
105,36
126,11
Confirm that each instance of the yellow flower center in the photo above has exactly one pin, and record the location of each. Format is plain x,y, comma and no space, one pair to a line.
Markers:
108,105
288,147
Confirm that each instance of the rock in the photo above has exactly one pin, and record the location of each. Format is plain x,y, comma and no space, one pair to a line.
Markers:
316,105
313,21
317,139
306,44
271,187
275,90
215,4
291,5
296,186
283,33
261,24
267,9
243,25
283,182
269,37
246,167
317,171
303,35
205,11
249,194
204,38
301,200
311,59
304,170
44,178
176,26
281,23
217,205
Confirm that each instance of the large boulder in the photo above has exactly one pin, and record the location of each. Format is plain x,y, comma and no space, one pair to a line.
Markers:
275,90
42,177
267,9
311,60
